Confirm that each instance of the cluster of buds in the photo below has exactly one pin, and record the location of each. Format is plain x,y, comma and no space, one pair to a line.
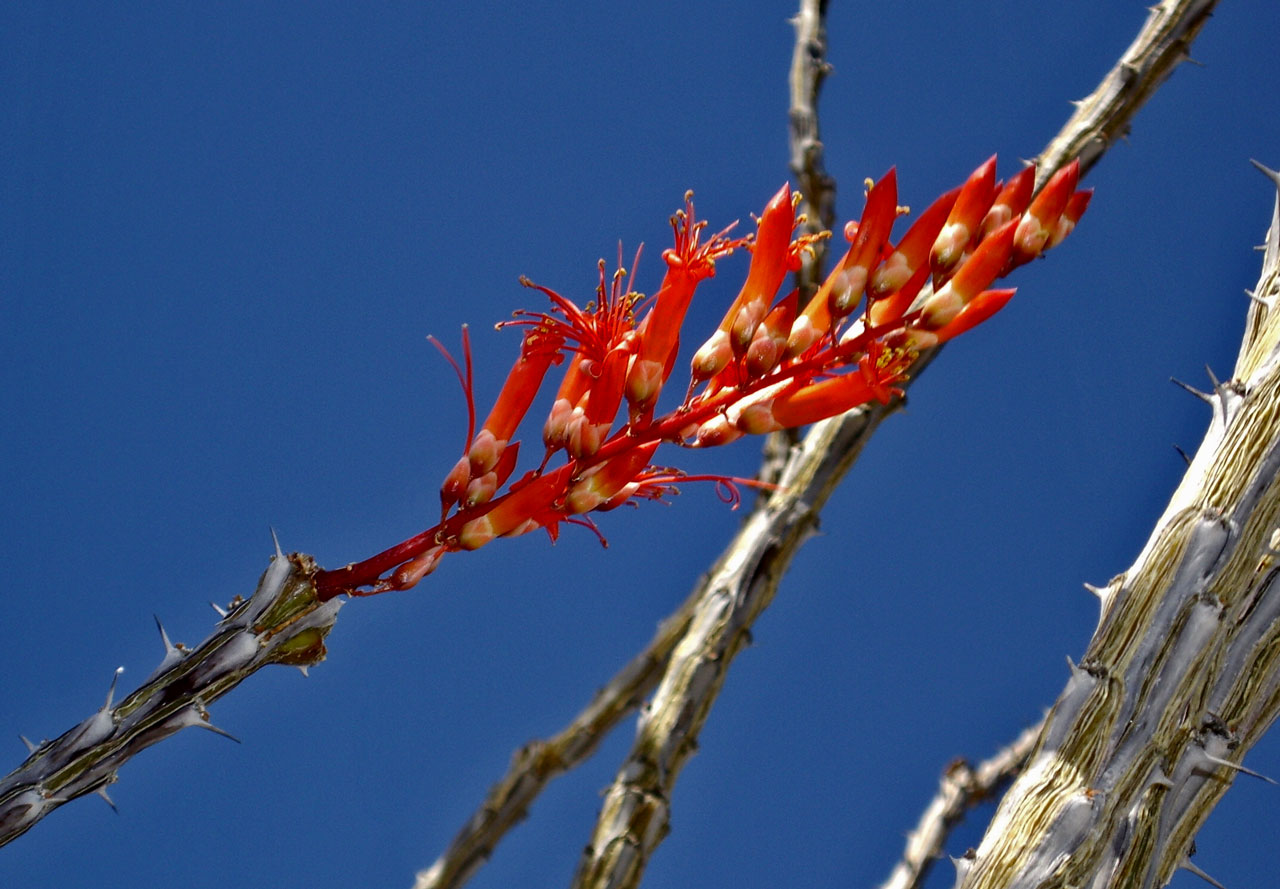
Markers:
772,363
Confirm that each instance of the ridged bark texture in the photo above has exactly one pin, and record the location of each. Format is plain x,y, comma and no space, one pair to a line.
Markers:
281,623
1182,675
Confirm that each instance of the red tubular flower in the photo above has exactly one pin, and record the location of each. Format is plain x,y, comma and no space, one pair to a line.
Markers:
978,271
1011,201
1076,206
601,483
768,365
1041,218
769,265
539,351
688,263
590,422
573,387
962,225
770,339
977,310
912,251
894,306
511,515
799,404
873,232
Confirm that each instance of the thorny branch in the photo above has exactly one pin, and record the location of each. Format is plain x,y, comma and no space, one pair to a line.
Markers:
1104,115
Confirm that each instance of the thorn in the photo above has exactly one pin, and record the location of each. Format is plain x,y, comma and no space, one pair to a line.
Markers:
222,612
196,715
1217,760
1186,864
102,792
1183,454
276,540
217,731
31,748
1191,61
303,669
204,722
1218,388
1203,396
1271,174
164,637
1097,591
112,690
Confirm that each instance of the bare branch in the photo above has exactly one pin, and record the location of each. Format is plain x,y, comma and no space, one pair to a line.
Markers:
1104,115
809,68
742,584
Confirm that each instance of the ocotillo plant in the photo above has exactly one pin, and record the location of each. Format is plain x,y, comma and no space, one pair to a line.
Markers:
772,363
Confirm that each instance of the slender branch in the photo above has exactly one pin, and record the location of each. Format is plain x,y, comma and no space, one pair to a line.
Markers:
962,787
809,68
1105,114
635,816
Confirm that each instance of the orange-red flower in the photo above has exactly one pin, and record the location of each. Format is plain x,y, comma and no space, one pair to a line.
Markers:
772,363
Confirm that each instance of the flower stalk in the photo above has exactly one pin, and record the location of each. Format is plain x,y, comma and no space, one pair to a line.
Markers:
770,364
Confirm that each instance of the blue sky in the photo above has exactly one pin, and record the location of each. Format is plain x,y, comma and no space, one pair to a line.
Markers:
225,232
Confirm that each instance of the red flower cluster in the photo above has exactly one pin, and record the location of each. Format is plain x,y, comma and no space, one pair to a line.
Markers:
771,364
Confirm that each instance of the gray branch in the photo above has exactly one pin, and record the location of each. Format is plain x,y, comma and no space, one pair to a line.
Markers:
809,67
281,623
1104,115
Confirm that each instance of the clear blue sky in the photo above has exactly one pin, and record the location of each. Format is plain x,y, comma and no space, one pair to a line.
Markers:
225,232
